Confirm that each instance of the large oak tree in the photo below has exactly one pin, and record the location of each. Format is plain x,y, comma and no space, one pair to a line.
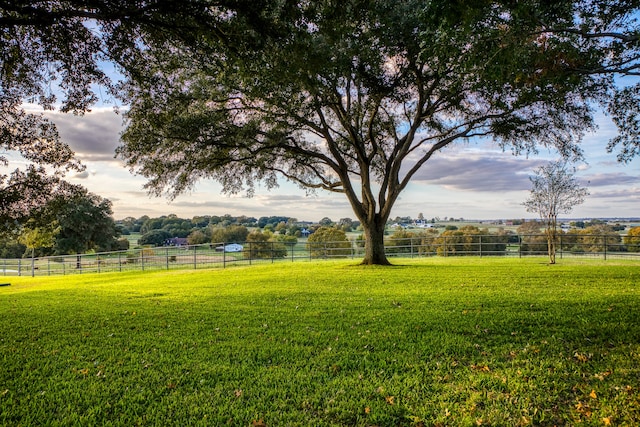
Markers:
356,97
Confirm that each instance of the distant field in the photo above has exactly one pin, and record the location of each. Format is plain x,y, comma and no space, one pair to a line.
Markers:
429,342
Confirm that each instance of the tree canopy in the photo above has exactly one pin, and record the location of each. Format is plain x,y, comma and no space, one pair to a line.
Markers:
351,97
355,97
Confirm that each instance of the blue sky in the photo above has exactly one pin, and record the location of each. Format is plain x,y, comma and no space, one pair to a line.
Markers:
475,180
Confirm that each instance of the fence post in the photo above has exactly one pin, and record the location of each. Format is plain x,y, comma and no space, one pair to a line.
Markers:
605,246
120,261
33,267
142,258
445,249
166,252
480,246
519,246
195,257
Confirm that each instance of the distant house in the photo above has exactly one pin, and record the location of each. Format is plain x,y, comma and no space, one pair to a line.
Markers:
232,247
176,241
423,224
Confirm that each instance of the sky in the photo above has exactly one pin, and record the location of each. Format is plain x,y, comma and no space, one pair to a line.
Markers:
475,180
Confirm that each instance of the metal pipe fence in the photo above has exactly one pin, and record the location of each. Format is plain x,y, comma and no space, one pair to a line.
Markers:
222,255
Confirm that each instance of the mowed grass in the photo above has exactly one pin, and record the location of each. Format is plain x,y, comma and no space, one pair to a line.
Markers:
435,342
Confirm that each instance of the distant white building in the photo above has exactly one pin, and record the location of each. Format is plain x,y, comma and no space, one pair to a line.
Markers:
231,247
423,225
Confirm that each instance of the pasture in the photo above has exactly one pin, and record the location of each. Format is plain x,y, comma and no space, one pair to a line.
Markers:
428,342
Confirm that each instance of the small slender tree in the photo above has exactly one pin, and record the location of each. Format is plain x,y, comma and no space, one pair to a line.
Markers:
554,191
35,237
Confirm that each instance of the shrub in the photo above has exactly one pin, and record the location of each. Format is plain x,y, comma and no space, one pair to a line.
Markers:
403,242
470,240
264,245
632,240
329,242
231,234
154,238
598,238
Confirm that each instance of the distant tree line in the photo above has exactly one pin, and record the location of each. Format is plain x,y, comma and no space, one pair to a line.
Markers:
226,228
82,222
596,236
466,240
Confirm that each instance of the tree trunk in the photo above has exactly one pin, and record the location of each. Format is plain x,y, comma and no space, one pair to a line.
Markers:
374,243
551,245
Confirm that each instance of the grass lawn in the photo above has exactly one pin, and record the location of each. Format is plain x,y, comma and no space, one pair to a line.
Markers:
432,342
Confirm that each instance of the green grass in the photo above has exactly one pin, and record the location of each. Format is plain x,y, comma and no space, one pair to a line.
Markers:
435,342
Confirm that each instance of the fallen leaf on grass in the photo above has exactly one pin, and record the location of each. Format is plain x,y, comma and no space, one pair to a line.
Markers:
4,393
483,368
238,393
606,421
367,410
583,409
581,357
389,399
593,394
601,376
259,423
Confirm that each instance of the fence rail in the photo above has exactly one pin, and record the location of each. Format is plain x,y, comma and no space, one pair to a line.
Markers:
216,255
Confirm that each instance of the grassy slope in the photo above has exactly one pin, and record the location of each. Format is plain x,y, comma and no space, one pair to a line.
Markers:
431,342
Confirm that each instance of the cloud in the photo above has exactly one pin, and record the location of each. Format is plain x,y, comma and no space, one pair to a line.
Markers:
478,172
93,137
275,202
611,178
625,195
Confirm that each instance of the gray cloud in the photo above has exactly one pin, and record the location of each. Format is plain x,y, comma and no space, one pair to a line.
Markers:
612,178
82,175
474,172
625,195
94,136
